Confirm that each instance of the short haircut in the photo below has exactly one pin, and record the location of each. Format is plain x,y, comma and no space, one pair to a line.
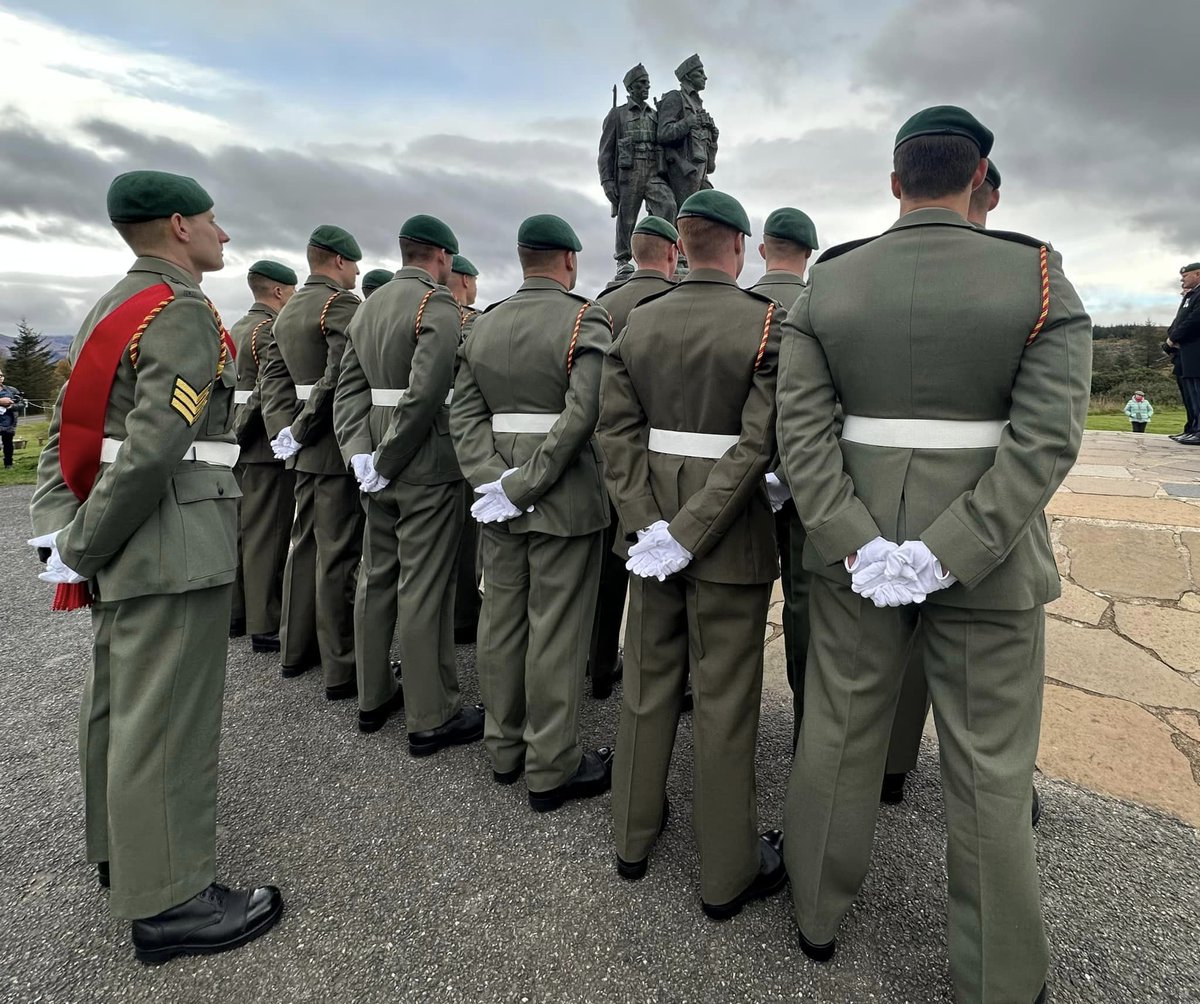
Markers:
650,248
781,247
260,285
537,259
932,167
319,257
981,197
146,234
701,237
415,252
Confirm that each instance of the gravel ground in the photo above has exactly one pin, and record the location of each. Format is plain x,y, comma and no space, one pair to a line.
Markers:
422,880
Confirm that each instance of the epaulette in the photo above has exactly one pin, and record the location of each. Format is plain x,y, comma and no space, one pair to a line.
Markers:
492,306
182,291
840,249
657,296
758,296
1015,237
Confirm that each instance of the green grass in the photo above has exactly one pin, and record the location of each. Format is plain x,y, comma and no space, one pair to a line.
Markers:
1167,421
24,468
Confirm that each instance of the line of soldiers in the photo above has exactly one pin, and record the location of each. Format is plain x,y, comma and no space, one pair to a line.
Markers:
893,429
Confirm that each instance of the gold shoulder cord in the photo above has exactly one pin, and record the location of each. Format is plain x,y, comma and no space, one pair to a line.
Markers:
1041,321
762,345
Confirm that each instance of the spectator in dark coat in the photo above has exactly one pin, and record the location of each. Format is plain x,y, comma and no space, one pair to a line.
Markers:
9,397
1184,335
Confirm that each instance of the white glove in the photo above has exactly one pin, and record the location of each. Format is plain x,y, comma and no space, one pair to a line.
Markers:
369,479
285,445
55,571
493,505
777,492
869,567
891,594
915,563
657,553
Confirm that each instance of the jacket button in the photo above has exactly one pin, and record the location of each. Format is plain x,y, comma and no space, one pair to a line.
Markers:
220,491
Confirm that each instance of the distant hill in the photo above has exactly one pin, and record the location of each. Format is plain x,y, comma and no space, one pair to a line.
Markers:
58,344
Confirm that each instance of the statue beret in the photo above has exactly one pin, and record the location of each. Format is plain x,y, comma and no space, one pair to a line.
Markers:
274,271
656,226
546,232
463,264
791,225
337,240
376,278
993,175
633,74
718,207
138,196
693,62
429,230
1190,268
947,120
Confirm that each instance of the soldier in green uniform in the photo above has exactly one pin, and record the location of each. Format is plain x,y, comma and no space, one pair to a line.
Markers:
268,487
301,373
789,239
687,429
953,441
656,253
392,423
631,164
136,497
463,287
525,406
374,279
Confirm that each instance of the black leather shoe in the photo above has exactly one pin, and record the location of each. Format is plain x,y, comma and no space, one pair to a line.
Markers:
893,789
396,667
102,874
376,718
771,877
634,870
342,691
1041,998
593,776
466,634
215,920
1189,439
1036,812
509,776
237,629
291,672
602,683
265,642
818,953
465,727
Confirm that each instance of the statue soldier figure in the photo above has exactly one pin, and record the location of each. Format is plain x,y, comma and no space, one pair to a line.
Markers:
687,133
630,163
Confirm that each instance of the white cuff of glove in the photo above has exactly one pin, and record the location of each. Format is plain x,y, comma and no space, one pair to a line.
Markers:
55,571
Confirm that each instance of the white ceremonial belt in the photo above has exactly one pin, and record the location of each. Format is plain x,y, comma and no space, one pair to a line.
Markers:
691,444
304,391
389,398
221,454
241,397
923,433
525,421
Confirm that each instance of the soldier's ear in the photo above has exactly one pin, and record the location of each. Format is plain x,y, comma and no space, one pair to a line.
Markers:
896,185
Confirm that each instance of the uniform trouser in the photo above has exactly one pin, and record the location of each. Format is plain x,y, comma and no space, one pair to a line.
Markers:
714,631
789,532
466,592
538,603
641,183
908,725
149,727
1190,387
318,581
610,608
264,517
408,571
984,669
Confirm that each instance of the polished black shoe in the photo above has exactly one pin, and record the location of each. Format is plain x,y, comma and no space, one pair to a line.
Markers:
215,920
465,727
1041,998
102,874
237,629
771,877
593,776
291,672
376,718
265,642
818,953
466,634
509,776
1036,812
1177,436
342,691
602,683
396,667
1189,439
893,788
689,702
634,870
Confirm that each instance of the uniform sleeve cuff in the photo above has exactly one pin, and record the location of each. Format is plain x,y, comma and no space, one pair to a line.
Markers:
959,551
837,538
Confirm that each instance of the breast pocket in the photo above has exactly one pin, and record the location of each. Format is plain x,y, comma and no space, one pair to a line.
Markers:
207,499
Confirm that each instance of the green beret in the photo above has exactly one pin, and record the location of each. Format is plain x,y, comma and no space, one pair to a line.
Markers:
138,196
947,120
718,207
429,230
376,278
463,265
993,175
632,75
791,225
693,62
274,271
545,232
337,240
656,226
1190,268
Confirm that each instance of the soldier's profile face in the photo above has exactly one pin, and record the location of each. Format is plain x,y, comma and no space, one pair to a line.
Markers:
698,78
207,242
639,89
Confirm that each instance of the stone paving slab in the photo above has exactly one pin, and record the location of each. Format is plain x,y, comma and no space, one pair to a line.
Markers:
1191,491
1100,471
1157,512
1110,486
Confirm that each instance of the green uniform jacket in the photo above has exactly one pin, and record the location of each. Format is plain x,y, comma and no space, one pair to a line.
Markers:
251,335
310,340
686,362
153,523
924,355
515,360
781,286
621,298
386,349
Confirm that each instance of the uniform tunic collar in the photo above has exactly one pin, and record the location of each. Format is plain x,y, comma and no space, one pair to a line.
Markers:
261,308
414,272
782,277
160,266
709,275
931,215
317,279
542,282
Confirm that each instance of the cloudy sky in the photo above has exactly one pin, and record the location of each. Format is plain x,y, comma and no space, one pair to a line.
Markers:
299,113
